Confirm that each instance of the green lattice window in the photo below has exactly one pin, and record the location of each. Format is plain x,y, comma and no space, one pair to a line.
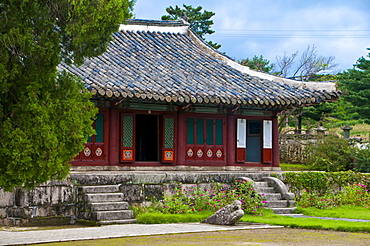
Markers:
219,132
99,128
128,131
209,131
200,131
190,130
169,129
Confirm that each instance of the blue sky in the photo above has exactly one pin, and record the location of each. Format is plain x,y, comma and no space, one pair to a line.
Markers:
245,28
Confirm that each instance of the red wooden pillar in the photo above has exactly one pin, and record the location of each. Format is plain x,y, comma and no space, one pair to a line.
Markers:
275,142
230,140
113,148
180,138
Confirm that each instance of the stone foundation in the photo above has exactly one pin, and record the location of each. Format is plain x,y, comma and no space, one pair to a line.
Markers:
59,198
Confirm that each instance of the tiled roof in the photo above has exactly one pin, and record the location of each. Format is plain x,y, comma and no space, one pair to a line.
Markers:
178,67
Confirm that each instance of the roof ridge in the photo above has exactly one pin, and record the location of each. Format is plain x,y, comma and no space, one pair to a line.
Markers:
147,22
163,26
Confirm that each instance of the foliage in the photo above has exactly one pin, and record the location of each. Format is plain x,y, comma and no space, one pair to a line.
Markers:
200,22
258,63
354,194
331,154
45,115
322,182
362,161
356,84
194,199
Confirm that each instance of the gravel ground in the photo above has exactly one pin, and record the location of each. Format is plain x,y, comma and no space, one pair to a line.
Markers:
267,237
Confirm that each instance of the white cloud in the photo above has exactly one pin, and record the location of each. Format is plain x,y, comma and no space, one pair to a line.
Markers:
235,19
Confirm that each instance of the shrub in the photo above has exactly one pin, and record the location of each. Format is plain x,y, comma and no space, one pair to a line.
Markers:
354,194
362,158
194,199
312,199
331,154
322,182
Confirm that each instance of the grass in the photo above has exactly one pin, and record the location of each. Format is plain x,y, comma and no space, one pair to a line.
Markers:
349,212
269,217
309,223
360,130
294,167
159,218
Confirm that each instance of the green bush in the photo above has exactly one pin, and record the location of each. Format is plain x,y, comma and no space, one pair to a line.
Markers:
331,154
362,157
195,199
323,182
354,194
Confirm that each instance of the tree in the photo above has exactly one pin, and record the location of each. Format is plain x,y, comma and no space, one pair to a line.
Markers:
46,114
258,63
199,21
356,83
309,64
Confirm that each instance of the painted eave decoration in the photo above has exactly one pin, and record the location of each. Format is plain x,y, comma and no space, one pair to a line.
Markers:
164,61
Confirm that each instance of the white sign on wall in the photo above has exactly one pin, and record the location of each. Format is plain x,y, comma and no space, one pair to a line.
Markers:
241,133
267,134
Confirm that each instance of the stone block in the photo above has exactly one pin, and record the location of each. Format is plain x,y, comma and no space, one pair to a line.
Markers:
103,197
153,192
40,195
113,215
3,212
6,198
145,178
61,194
132,193
99,188
22,198
107,206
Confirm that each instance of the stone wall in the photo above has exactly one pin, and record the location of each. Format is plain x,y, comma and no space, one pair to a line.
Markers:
60,198
293,149
54,198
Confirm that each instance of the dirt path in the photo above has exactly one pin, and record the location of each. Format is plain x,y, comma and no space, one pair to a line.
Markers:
267,237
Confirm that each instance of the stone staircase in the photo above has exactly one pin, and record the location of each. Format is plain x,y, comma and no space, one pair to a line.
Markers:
104,204
274,191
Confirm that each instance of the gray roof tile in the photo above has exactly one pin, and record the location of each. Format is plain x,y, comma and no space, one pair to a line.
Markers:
167,66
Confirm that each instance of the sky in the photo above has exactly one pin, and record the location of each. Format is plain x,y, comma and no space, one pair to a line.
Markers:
271,28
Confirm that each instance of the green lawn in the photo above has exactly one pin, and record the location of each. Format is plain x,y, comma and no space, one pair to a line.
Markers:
349,212
313,223
294,167
268,217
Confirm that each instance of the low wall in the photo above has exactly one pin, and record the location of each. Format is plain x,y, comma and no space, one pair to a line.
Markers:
54,198
59,198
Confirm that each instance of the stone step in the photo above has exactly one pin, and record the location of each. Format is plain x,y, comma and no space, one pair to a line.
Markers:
283,210
113,215
103,197
279,204
272,196
100,189
266,190
108,206
260,184
110,222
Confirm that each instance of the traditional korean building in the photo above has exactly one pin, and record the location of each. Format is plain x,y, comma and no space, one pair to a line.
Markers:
168,101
